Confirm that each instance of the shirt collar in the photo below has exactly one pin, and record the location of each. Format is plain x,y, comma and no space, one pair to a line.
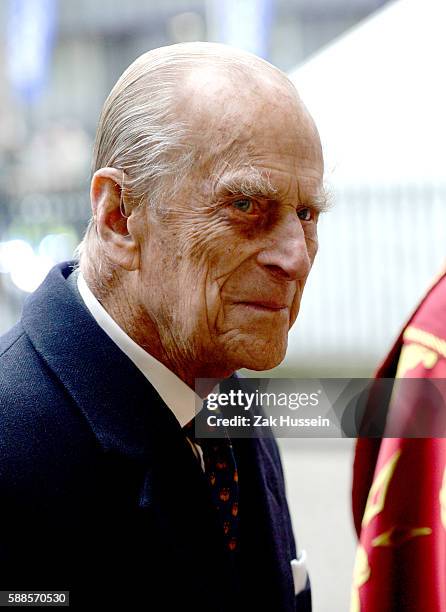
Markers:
178,396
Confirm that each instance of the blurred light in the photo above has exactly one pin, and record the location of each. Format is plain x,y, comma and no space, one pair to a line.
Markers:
245,24
27,270
28,275
187,27
57,247
30,37
13,253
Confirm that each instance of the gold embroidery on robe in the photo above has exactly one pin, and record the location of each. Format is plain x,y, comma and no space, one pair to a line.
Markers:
361,573
426,339
378,491
413,355
395,536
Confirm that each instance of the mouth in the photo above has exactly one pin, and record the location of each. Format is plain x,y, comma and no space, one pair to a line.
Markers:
264,306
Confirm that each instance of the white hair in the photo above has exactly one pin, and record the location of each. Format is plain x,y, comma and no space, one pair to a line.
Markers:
140,132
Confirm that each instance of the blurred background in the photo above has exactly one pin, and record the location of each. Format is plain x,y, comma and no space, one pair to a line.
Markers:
370,72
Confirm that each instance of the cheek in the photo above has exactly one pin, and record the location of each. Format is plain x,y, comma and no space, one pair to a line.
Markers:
294,311
312,248
225,266
312,244
198,295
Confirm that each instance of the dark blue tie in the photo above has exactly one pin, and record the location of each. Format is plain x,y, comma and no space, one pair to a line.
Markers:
222,476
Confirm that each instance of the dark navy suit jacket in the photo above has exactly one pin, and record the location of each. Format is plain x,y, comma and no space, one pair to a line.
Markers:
100,492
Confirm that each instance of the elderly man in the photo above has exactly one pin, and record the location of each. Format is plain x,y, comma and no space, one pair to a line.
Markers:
206,191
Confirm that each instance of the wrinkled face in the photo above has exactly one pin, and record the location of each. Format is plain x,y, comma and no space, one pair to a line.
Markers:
223,270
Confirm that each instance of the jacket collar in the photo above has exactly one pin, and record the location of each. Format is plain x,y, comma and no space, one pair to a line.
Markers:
178,396
124,411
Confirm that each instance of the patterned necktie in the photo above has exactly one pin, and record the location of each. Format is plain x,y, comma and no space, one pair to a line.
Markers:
222,476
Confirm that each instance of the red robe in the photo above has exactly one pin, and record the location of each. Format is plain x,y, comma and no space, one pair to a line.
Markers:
399,484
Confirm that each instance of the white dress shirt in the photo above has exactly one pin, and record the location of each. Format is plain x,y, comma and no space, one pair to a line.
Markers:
177,396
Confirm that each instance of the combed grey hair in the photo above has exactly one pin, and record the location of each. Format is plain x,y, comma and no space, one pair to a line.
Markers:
141,133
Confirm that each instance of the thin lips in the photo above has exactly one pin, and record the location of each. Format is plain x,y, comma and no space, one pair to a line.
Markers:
265,304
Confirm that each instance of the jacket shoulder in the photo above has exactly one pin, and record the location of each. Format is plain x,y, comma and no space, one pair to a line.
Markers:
43,436
27,386
10,337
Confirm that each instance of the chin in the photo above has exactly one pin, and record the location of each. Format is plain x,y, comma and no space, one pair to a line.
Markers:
265,358
264,366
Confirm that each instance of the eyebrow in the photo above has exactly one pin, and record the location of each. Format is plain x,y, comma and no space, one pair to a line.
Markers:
255,184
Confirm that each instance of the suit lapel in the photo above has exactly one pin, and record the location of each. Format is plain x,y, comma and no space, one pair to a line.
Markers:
107,387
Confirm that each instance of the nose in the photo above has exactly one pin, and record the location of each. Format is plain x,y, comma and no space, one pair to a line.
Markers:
287,255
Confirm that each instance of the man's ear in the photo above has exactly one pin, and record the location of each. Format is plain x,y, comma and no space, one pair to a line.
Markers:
107,203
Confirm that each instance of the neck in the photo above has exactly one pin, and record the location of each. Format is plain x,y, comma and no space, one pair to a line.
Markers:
139,326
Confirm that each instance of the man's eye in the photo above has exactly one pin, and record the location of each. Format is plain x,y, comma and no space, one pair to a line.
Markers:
243,205
305,214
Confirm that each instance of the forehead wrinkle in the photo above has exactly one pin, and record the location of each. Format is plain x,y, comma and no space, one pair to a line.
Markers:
208,87
234,164
220,110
